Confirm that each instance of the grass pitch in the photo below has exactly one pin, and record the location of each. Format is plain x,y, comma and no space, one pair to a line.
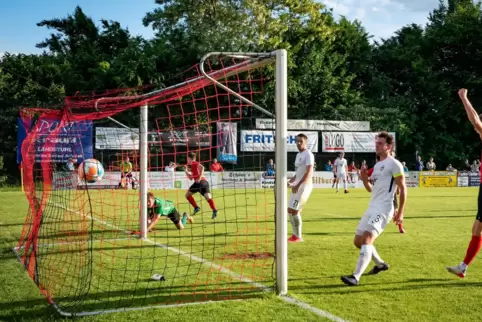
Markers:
416,288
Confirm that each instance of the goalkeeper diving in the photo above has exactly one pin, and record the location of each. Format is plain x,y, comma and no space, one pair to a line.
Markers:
157,208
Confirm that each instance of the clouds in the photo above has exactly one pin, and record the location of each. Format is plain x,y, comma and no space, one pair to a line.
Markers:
382,18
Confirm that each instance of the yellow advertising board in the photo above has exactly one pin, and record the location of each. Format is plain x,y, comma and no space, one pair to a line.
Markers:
431,179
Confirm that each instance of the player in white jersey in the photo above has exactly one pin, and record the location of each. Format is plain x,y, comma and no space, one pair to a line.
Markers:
387,173
301,186
341,168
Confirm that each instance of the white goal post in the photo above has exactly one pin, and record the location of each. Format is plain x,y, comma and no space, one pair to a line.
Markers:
281,116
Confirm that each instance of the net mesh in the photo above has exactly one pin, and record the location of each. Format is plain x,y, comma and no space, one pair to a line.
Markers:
80,244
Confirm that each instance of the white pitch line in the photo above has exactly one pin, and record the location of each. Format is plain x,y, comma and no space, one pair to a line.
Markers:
265,288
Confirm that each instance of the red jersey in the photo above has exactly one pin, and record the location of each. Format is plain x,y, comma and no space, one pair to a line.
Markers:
369,172
352,168
216,167
196,170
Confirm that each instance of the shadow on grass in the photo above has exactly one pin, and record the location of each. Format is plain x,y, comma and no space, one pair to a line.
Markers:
409,285
117,299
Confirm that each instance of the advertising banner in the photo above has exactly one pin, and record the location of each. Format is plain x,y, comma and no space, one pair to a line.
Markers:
190,138
226,142
73,140
264,141
412,179
356,142
113,138
316,125
463,178
431,179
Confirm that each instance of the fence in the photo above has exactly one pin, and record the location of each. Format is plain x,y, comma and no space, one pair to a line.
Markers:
258,180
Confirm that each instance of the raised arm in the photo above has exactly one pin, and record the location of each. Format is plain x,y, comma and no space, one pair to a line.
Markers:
364,177
471,113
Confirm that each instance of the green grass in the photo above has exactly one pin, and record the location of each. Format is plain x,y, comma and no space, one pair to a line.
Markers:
416,288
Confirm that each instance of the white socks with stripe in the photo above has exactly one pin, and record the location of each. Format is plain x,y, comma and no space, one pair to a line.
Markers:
364,260
296,224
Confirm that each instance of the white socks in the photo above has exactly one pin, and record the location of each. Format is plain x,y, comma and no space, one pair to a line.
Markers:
296,224
376,258
366,253
344,185
336,186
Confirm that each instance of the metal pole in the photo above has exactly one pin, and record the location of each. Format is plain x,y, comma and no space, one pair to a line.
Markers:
143,183
281,172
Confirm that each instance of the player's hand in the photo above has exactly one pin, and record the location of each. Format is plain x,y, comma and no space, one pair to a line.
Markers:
398,217
364,174
462,93
295,189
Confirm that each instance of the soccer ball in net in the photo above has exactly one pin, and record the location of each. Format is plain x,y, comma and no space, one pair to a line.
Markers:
91,170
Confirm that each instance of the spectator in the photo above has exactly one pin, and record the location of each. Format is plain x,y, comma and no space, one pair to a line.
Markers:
216,166
70,165
418,162
475,166
450,168
329,166
171,167
364,165
431,165
352,171
466,165
270,168
405,168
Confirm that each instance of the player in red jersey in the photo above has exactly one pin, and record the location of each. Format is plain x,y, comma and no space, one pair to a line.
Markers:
200,184
476,241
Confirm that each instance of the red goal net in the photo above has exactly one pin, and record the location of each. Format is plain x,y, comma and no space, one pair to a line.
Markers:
211,233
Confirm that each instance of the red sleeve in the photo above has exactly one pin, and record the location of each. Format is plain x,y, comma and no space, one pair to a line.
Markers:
213,169
369,172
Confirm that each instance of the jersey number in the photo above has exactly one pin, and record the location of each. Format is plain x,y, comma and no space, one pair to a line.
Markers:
295,203
376,220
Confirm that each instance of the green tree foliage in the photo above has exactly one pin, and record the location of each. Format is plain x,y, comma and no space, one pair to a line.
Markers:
406,83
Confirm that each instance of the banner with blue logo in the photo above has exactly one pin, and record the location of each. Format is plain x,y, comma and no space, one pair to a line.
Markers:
74,140
264,141
226,142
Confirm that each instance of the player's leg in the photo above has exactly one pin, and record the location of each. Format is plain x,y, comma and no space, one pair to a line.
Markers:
474,245
206,192
296,203
121,179
337,181
345,183
194,188
334,180
370,227
179,221
129,176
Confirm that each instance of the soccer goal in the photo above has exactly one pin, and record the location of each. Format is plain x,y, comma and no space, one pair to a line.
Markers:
94,241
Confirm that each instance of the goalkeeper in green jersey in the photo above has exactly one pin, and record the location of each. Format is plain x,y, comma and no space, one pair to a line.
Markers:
158,207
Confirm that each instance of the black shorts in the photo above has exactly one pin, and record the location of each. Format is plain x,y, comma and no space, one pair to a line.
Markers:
126,174
202,187
479,205
174,216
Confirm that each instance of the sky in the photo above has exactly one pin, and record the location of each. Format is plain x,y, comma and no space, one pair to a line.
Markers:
19,33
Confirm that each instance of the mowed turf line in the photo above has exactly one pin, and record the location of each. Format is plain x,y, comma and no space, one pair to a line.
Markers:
416,288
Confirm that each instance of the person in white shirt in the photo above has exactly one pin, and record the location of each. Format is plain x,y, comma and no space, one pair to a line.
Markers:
387,175
341,170
301,186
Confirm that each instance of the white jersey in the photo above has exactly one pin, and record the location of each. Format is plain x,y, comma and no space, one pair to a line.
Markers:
340,165
383,178
302,161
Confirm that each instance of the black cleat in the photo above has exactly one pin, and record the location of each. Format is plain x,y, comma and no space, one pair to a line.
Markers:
349,280
377,269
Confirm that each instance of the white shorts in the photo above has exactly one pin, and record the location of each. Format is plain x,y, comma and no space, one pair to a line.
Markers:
341,175
374,221
299,199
